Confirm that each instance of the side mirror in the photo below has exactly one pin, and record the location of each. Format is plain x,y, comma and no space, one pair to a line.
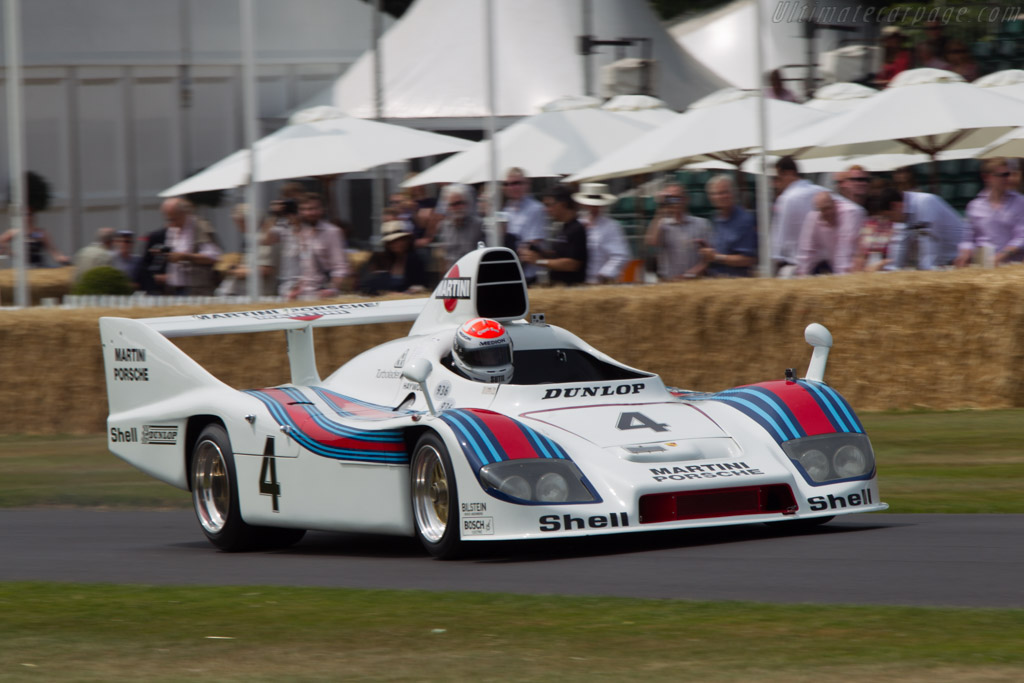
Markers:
418,371
820,338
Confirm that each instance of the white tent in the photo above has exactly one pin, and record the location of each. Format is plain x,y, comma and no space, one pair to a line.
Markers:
550,144
724,38
435,62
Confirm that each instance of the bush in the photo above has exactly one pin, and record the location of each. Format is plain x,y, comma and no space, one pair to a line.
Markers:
104,280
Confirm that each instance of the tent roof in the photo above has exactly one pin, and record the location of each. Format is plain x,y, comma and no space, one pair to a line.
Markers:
434,59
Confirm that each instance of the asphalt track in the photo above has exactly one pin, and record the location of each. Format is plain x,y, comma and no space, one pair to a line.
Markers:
937,560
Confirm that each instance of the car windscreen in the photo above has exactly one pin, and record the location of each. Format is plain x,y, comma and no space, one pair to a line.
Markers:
558,366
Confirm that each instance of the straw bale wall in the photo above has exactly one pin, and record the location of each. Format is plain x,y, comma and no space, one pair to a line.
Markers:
43,283
902,340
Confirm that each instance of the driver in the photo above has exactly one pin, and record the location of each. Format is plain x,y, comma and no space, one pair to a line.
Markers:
482,350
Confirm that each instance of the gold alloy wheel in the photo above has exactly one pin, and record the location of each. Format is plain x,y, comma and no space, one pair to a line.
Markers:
211,492
431,500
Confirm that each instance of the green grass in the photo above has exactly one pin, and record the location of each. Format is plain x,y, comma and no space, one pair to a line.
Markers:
109,633
955,462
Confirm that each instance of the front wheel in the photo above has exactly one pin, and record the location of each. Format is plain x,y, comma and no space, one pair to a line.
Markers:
435,498
215,498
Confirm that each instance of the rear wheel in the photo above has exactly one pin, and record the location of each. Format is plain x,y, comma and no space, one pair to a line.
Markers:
435,498
215,498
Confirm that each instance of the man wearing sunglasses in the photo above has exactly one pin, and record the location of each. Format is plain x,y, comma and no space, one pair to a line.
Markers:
525,218
995,218
853,184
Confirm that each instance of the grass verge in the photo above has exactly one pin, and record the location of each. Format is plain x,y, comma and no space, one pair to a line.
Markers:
952,462
111,633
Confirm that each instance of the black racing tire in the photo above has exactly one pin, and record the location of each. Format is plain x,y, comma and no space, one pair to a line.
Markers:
799,525
435,498
215,498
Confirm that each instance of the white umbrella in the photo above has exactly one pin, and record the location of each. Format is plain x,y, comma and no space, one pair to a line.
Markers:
839,97
550,144
320,141
923,110
643,108
1009,82
721,127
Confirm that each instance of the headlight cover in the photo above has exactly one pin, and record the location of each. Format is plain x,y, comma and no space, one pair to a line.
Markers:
830,458
537,482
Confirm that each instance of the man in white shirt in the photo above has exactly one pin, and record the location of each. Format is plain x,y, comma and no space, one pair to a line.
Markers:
526,221
927,232
677,236
607,251
794,200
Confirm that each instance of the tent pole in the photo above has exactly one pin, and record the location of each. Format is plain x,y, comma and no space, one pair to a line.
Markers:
16,148
378,109
491,232
252,282
764,214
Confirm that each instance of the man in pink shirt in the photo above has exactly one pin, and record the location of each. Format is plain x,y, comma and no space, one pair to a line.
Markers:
828,240
995,218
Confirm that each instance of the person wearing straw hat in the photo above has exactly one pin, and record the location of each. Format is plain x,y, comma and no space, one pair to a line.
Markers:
607,251
397,266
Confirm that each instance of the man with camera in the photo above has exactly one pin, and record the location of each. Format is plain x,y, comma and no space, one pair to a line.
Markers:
179,258
313,261
677,236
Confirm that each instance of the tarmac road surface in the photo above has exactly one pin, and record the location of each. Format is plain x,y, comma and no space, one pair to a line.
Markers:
940,560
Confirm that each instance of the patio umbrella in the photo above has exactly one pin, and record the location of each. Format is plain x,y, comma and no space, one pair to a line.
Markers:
721,127
553,143
839,97
1009,82
929,111
317,142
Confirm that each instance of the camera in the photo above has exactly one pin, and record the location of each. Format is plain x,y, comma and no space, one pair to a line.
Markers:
284,207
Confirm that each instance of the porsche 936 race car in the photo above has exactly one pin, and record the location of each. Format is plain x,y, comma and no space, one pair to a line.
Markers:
478,426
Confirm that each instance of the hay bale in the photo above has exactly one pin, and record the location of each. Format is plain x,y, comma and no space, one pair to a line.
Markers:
42,282
902,340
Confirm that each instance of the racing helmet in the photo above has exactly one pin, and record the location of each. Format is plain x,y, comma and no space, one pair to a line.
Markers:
482,349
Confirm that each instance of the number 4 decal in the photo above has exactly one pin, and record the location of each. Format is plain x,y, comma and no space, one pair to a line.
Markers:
269,485
639,421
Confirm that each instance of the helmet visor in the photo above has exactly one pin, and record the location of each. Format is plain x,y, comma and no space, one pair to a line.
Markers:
487,357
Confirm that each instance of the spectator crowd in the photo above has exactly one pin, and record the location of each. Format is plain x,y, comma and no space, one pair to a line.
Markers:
569,236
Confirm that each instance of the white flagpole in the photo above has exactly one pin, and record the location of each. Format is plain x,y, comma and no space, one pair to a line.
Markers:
764,211
492,186
251,115
379,200
16,148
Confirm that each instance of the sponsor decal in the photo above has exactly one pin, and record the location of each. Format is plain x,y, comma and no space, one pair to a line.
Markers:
389,374
131,374
452,288
588,392
160,435
128,435
570,523
704,471
401,359
300,313
478,526
830,502
130,355
474,508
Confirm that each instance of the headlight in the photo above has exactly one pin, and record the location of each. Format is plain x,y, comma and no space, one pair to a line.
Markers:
515,486
828,458
552,488
815,463
536,481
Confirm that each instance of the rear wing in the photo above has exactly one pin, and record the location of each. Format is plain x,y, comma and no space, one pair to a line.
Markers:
297,323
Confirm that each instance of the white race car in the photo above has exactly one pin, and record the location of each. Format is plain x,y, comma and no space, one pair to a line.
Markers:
478,426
